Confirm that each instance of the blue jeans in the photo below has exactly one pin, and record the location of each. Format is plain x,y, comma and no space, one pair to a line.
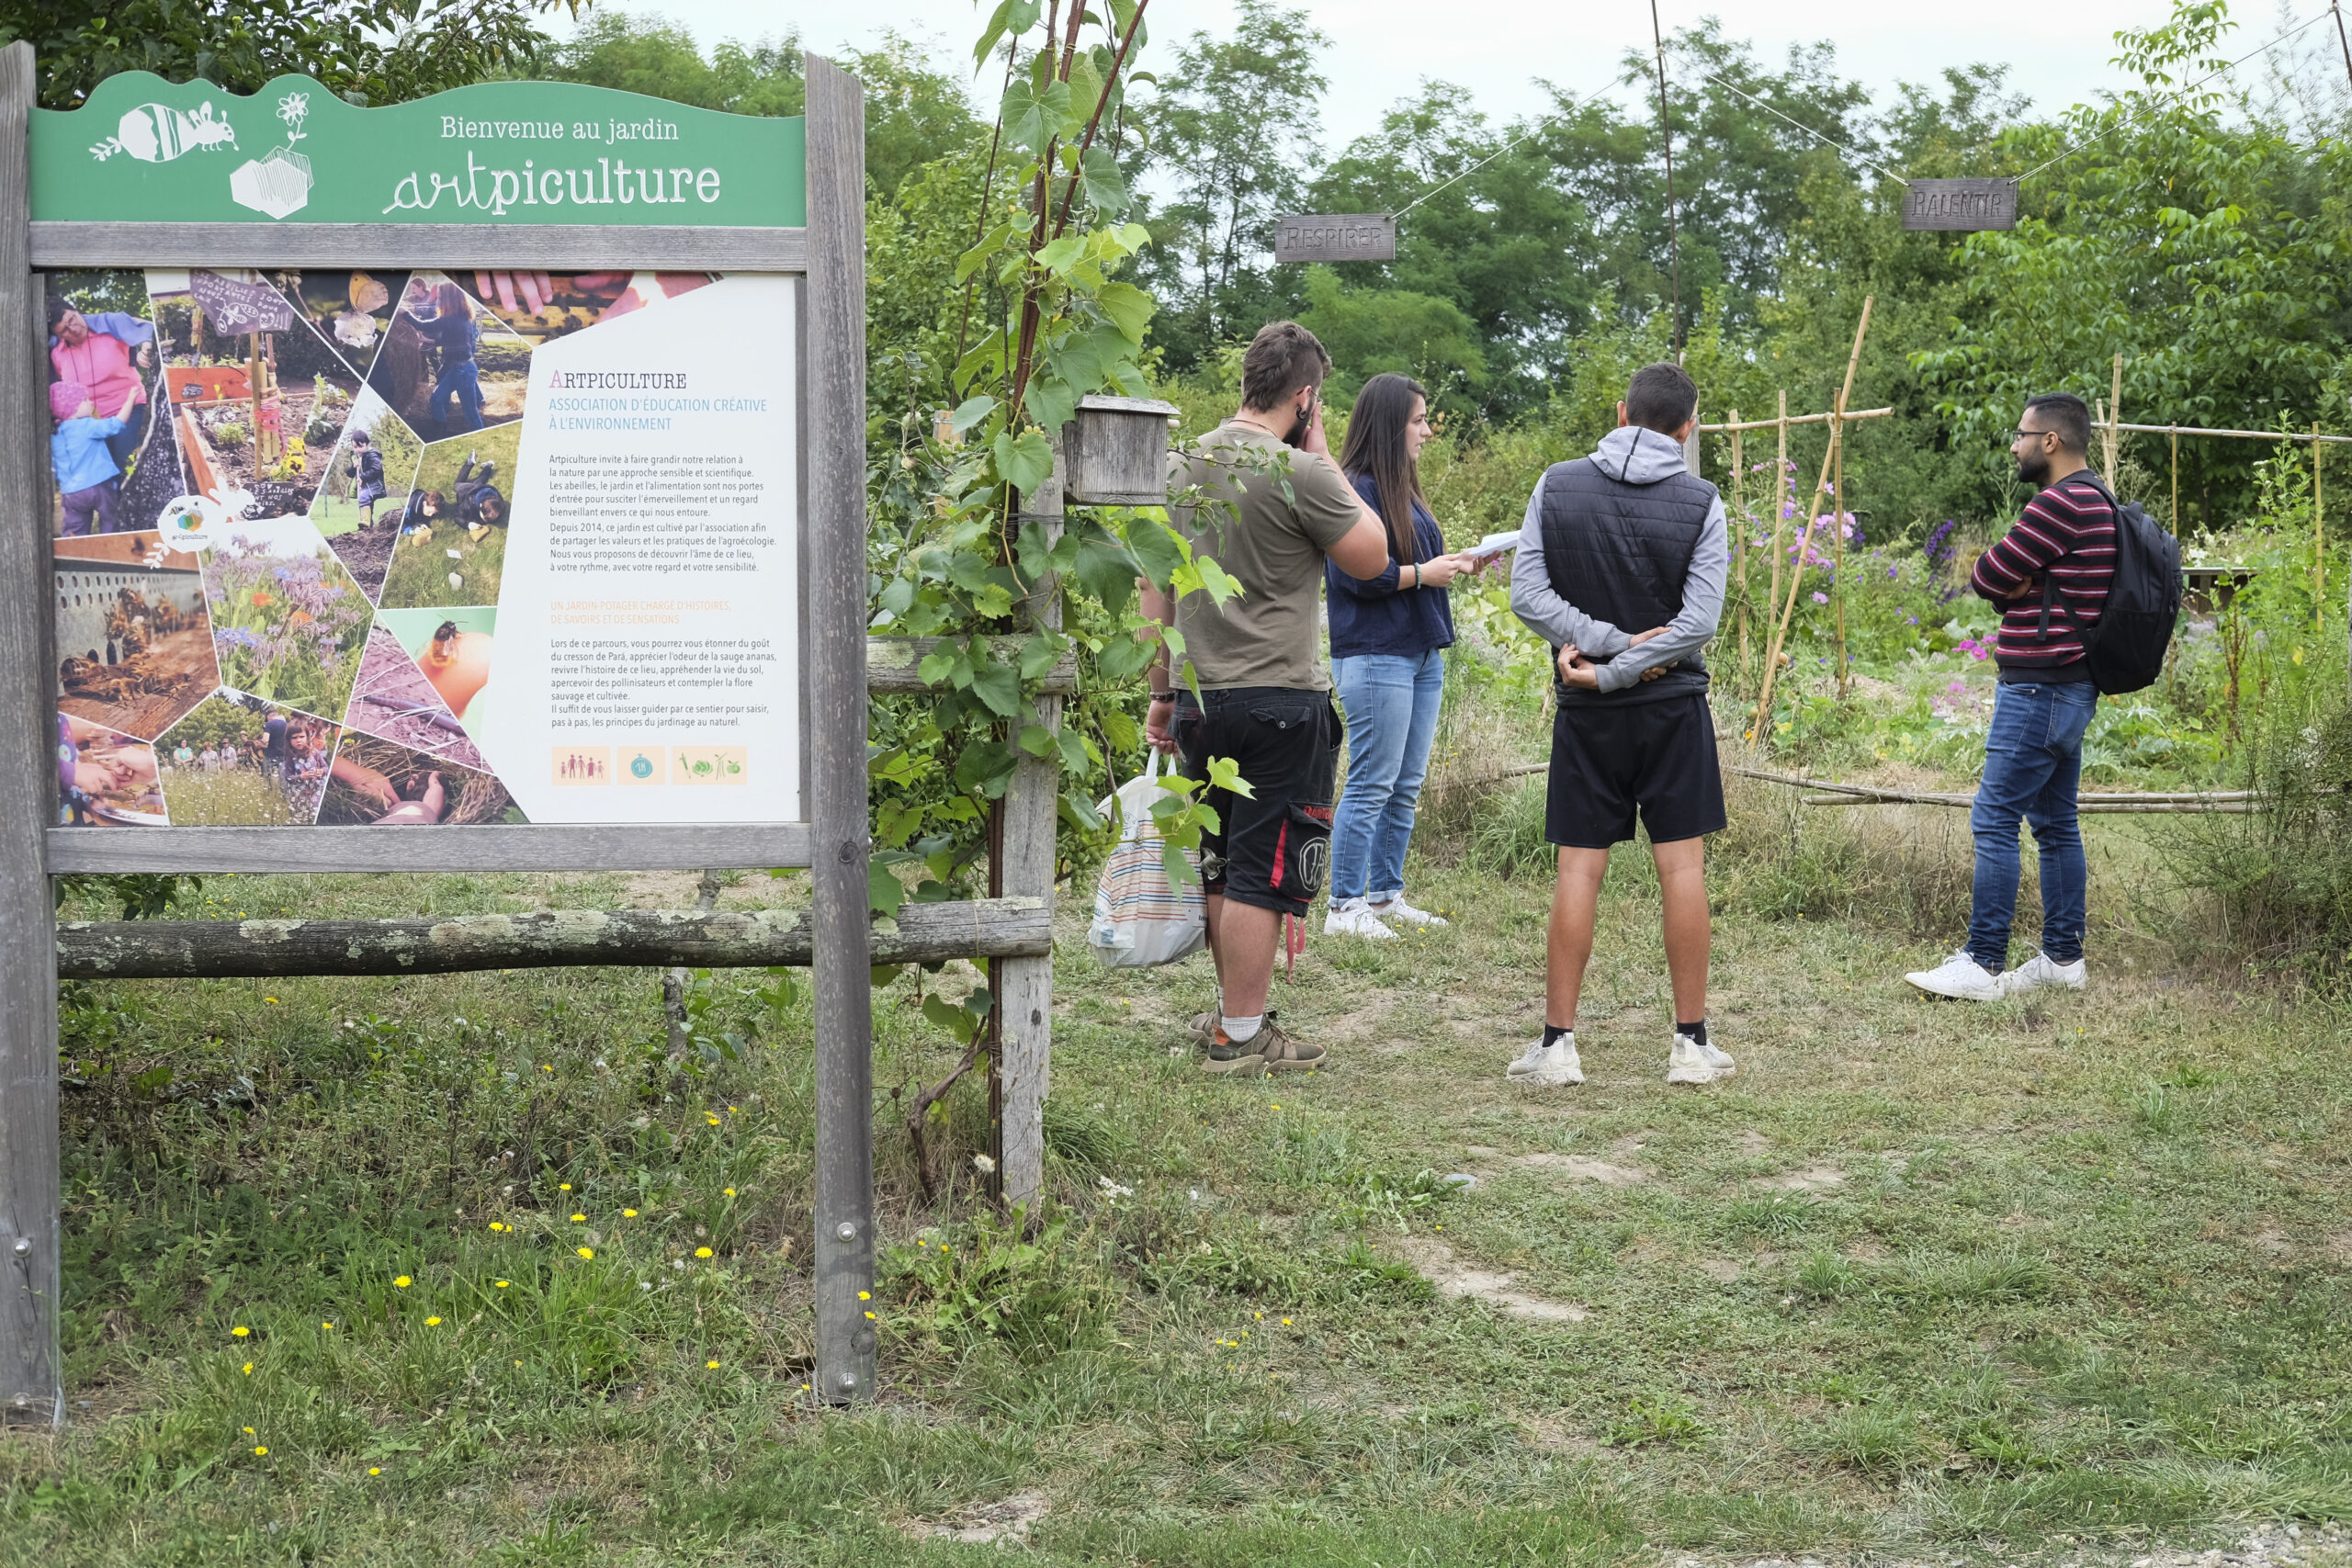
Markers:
1391,701
2033,762
456,398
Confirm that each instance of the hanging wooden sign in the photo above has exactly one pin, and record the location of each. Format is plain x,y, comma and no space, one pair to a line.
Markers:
1362,237
1960,205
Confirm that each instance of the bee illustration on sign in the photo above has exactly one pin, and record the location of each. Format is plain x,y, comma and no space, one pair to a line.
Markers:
157,134
278,182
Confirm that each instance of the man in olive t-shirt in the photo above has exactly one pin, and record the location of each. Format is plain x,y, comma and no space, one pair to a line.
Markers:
1272,505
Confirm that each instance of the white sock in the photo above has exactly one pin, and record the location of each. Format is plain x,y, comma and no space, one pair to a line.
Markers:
1241,1031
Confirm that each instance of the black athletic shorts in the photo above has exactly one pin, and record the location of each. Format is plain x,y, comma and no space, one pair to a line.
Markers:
1609,760
1273,847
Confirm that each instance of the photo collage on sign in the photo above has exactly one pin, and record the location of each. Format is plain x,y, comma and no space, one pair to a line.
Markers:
279,528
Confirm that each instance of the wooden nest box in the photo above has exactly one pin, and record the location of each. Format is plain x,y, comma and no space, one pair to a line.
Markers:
1116,452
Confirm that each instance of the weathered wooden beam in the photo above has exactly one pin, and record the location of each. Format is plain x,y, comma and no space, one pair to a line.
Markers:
714,939
891,661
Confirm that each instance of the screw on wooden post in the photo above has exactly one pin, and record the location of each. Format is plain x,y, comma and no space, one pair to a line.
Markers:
1804,540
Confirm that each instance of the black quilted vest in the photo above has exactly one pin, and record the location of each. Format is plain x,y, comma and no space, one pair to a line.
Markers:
1619,552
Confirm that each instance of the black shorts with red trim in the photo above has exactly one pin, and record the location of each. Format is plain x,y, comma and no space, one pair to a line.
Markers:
1273,849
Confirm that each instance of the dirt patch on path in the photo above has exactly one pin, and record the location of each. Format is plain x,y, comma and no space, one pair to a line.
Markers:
1455,1281
1577,1167
1813,1178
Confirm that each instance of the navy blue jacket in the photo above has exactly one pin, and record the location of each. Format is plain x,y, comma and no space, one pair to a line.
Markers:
1370,616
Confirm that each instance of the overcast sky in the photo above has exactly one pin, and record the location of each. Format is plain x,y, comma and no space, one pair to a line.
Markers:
1380,50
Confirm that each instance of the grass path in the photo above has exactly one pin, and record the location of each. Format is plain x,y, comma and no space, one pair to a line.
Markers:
1935,1282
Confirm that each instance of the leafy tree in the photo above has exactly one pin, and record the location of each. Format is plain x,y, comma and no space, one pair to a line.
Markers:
1369,330
1234,126
374,51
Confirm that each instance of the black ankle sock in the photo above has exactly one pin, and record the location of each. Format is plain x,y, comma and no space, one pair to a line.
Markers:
1695,1032
1553,1036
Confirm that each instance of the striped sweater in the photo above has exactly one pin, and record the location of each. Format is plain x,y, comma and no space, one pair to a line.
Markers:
2067,535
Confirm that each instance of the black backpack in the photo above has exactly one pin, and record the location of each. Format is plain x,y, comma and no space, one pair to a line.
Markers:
2125,648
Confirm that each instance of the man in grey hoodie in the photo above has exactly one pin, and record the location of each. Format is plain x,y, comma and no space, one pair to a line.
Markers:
1628,537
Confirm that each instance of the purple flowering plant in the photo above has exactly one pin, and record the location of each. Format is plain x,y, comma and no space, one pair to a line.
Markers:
287,628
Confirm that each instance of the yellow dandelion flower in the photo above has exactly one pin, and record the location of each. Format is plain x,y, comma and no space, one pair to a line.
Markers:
502,1284
702,1252
1285,1323
865,1295
730,1111
249,1369
585,1251
401,1284
328,1327
709,1118
375,1470
628,1213
563,1186
577,1219
271,1000
260,1451
545,1068
713,1366
871,1318
729,1191
241,1331
431,1323
248,1431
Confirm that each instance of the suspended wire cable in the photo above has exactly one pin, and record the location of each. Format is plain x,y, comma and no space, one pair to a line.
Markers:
1824,141
1555,115
2178,92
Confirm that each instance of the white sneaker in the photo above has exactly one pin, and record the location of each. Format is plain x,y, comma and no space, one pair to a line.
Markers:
1718,1059
1962,977
1397,909
2043,970
1554,1064
1354,919
1687,1063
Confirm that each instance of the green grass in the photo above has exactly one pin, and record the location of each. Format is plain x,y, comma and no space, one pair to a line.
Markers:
419,575
194,797
1922,1279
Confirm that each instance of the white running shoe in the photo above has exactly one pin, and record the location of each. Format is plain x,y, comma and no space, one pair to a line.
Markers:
1352,919
1549,1065
2043,970
1718,1059
1961,977
1687,1063
1397,909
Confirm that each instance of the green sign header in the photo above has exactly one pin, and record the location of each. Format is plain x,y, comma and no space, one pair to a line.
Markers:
144,149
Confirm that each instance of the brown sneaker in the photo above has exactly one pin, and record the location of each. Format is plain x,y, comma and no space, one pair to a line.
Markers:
1224,1059
1202,1030
1284,1054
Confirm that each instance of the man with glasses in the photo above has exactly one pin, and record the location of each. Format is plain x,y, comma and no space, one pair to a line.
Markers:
2050,574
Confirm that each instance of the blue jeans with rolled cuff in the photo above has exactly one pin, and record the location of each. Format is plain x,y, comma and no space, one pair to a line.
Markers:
1391,702
2033,765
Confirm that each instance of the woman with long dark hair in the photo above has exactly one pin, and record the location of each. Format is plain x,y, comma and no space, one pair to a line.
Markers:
1389,634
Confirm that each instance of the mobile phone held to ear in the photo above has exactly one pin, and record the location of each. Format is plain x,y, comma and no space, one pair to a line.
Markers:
1297,436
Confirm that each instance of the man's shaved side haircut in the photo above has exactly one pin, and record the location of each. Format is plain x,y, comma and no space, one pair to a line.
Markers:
2065,416
1661,398
1282,359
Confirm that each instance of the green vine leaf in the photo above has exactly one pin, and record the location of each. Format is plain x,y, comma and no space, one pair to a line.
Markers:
1024,462
1033,116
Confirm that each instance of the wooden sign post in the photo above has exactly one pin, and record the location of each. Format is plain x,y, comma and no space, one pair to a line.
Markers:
606,280
1363,237
1960,206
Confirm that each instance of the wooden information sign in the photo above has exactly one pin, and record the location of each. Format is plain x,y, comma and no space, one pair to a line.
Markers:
1960,205
1363,237
480,481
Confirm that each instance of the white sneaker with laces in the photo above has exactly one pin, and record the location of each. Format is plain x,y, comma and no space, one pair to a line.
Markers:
1961,977
2043,970
1352,919
1549,1065
1718,1059
1687,1063
1397,909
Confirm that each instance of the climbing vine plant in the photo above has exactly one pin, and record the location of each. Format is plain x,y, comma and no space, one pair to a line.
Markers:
1008,595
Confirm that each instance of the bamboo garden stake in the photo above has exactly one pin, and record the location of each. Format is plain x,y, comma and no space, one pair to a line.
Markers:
1805,540
1738,531
1781,489
1838,512
2114,422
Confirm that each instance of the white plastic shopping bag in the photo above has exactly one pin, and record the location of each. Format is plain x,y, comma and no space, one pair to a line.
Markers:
1139,921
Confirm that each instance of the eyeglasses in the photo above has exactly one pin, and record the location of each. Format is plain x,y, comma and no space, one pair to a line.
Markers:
2018,435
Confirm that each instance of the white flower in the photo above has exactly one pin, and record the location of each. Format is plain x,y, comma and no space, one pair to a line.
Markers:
984,1165
1111,1189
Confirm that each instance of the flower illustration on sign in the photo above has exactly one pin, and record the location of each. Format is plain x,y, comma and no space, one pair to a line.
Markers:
157,134
278,182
